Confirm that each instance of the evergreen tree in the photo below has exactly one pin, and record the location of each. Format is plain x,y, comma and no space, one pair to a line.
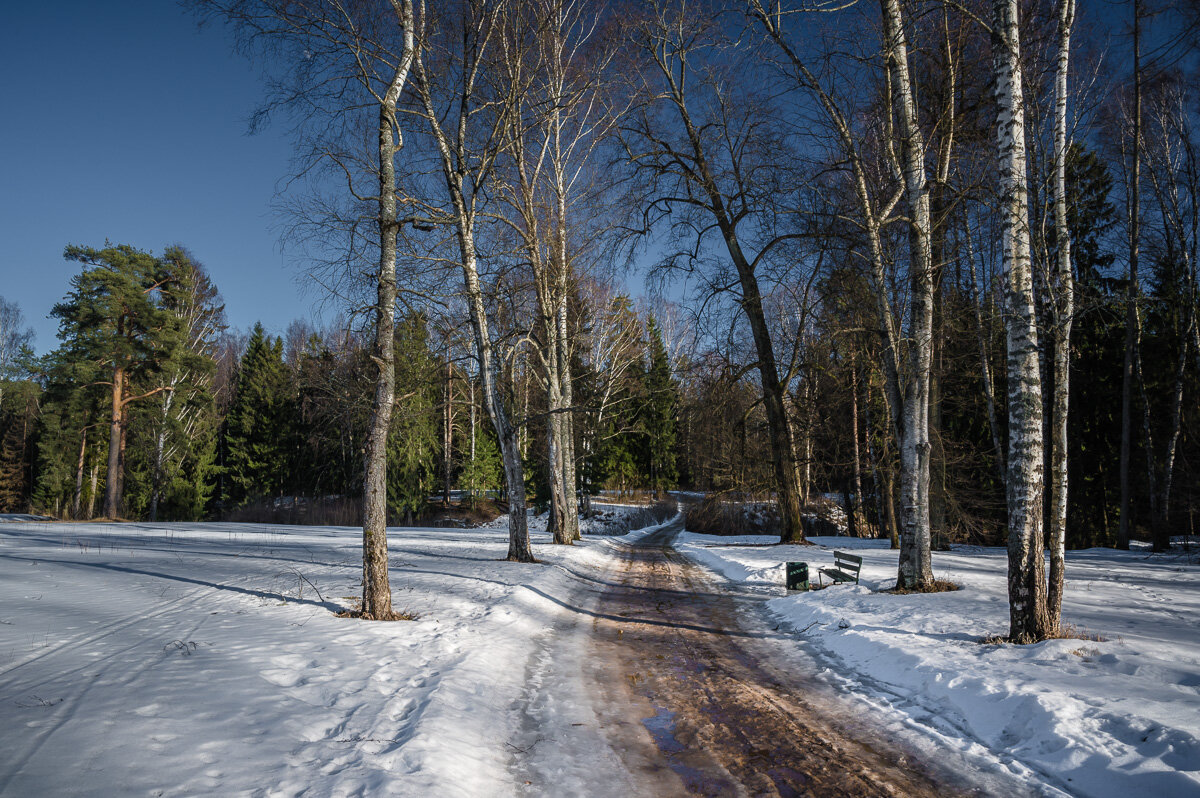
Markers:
258,426
18,419
115,330
482,470
413,437
660,412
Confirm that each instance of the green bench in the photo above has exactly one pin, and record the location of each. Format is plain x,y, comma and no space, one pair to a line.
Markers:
845,568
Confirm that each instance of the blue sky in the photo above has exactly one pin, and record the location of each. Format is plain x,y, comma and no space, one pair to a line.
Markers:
123,121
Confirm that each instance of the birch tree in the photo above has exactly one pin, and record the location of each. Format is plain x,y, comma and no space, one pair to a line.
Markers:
347,65
550,140
906,363
1028,620
466,125
1063,315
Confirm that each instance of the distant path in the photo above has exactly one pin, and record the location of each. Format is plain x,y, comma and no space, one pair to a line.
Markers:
726,721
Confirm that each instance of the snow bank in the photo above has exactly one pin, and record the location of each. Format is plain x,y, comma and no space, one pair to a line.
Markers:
174,659
607,519
1116,717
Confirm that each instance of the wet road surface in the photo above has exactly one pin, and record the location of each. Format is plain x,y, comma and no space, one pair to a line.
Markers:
724,719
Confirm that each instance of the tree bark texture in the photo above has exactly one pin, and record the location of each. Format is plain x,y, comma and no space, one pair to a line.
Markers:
1064,311
1026,563
377,592
915,568
112,481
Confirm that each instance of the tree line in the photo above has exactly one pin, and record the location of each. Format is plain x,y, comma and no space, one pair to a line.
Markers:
939,259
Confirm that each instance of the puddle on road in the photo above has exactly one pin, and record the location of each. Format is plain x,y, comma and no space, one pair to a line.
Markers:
662,729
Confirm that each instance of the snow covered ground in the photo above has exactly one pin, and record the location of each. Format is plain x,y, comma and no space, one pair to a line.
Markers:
206,659
1114,717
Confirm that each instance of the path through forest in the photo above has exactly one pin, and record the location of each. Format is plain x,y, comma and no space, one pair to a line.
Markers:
694,701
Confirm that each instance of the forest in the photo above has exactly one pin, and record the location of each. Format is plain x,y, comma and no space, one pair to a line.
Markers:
932,262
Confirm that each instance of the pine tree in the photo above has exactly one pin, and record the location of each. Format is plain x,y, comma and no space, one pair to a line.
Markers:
115,331
174,443
482,470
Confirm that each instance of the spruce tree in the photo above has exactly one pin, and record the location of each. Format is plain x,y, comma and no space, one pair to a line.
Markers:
659,412
257,427
413,437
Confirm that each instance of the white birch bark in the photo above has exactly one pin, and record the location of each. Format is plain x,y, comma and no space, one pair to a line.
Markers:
1064,310
1026,564
915,569
453,149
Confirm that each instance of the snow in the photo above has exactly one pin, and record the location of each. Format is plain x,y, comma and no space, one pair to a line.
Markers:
1112,717
176,659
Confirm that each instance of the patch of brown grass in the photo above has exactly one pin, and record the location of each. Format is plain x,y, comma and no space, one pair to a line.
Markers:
936,586
356,612
1066,631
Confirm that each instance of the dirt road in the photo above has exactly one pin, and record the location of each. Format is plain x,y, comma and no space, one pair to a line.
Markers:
723,718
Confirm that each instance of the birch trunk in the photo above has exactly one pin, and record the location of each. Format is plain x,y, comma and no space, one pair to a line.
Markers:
456,166
1026,563
447,428
568,420
1064,318
915,568
377,593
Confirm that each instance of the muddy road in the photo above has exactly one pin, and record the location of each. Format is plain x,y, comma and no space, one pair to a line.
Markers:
696,664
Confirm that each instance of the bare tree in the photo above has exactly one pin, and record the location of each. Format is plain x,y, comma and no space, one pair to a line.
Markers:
551,136
1063,315
15,338
705,152
349,61
466,124
907,364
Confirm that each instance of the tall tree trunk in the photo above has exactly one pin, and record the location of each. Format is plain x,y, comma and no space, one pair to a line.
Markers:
95,486
1064,312
112,483
915,567
78,497
377,592
514,474
158,467
447,428
557,525
856,465
1026,562
1133,204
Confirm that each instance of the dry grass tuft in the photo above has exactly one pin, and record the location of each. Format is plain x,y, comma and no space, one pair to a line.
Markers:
1066,631
356,612
936,586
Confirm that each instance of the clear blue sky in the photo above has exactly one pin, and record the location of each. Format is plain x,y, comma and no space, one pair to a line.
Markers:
120,120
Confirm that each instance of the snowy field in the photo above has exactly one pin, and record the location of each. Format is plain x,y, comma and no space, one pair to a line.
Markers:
206,659
1117,717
